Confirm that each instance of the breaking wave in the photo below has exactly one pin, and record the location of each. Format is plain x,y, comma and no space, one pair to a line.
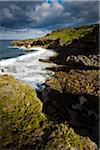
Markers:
28,68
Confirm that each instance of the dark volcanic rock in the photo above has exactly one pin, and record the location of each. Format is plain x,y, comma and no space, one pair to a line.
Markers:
73,97
86,45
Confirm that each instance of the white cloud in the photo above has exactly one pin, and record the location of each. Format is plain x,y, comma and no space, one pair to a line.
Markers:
46,11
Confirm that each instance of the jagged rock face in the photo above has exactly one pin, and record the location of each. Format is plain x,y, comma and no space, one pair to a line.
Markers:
81,112
20,109
40,42
91,60
73,97
76,82
24,126
84,49
64,138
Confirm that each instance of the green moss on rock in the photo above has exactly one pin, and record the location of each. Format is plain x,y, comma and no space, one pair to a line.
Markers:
24,126
20,109
64,138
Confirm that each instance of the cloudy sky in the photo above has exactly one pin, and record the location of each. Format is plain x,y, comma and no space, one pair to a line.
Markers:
28,19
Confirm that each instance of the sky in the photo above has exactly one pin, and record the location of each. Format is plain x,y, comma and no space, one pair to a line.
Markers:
35,18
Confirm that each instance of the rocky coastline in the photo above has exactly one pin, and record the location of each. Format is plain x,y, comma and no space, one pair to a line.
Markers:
25,124
66,111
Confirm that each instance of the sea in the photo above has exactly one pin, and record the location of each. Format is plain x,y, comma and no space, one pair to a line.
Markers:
24,64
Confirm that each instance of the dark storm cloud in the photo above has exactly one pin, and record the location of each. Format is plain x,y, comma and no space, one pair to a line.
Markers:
14,14
40,14
84,10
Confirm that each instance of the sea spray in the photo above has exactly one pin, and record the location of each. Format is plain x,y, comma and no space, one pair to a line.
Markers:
28,68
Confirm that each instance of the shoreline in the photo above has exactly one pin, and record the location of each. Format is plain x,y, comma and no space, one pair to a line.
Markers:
41,73
70,97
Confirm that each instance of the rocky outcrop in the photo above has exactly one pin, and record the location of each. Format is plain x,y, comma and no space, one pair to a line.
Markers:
91,60
23,125
20,110
40,42
76,81
80,111
61,39
72,94
74,97
86,46
64,138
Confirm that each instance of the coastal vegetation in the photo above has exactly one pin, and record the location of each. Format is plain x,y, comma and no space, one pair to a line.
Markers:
61,37
66,36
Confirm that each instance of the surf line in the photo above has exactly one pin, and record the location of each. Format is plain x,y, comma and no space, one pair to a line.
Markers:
6,62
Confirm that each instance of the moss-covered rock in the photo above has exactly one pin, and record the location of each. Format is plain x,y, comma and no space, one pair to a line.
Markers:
20,109
64,138
24,126
76,81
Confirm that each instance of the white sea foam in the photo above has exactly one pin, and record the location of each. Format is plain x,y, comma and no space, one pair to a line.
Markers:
28,68
6,62
25,48
13,47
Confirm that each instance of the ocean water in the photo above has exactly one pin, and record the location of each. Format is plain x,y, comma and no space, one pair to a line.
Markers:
6,50
25,65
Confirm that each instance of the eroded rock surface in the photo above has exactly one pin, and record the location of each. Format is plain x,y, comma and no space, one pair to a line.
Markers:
74,97
91,60
23,125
